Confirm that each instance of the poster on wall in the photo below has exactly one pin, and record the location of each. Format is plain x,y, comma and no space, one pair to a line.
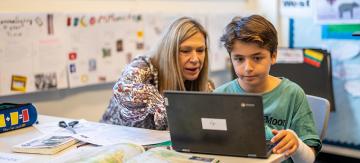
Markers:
32,53
338,11
100,45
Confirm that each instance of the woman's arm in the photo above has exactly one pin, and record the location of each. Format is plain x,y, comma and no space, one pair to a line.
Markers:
137,95
138,100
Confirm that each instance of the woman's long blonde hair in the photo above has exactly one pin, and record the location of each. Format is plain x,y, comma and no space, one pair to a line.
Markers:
165,57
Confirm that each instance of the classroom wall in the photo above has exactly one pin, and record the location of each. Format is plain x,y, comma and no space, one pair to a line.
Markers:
91,101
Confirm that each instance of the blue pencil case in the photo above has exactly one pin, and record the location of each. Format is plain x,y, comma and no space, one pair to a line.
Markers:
15,116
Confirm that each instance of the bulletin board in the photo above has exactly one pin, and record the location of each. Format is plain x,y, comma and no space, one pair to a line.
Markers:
51,51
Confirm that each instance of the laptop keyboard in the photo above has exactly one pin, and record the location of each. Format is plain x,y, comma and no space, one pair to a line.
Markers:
269,145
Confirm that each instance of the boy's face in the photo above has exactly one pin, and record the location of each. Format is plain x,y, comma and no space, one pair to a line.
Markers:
251,63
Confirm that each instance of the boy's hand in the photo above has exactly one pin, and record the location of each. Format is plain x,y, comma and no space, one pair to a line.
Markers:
287,142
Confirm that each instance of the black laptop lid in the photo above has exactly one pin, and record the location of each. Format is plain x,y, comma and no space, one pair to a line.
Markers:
213,123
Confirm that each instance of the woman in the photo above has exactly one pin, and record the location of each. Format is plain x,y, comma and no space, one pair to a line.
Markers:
178,62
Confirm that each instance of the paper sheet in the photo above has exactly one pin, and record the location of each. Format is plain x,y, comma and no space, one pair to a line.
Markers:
106,134
100,45
12,158
31,47
53,127
290,56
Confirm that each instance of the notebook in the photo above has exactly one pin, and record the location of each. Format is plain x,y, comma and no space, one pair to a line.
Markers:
214,123
48,144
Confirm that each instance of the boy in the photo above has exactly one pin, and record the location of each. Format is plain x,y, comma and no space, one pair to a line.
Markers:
252,45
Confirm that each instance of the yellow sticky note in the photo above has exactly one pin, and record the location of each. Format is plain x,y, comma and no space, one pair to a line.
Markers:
140,34
14,116
2,120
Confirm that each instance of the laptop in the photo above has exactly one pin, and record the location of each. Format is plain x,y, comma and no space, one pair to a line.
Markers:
215,123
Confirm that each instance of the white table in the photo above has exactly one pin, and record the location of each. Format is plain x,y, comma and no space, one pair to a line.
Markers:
342,151
8,139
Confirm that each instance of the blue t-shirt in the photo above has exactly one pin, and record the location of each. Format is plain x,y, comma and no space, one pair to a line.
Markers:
285,107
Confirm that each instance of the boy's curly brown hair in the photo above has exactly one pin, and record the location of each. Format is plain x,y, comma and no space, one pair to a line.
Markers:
253,29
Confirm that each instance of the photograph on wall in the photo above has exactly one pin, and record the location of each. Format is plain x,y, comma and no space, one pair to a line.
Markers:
45,81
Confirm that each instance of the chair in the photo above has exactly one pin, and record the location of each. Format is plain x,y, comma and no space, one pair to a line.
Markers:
321,111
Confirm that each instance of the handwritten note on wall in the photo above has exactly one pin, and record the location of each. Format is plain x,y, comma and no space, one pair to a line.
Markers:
31,53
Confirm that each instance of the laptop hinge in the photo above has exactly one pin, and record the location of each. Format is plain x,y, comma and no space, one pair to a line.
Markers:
251,155
185,150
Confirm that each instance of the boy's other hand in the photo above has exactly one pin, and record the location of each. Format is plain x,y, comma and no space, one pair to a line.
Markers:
287,142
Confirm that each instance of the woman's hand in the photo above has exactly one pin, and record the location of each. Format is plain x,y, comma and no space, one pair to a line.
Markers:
287,142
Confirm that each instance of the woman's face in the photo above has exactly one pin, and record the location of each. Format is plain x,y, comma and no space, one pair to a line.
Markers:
192,56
